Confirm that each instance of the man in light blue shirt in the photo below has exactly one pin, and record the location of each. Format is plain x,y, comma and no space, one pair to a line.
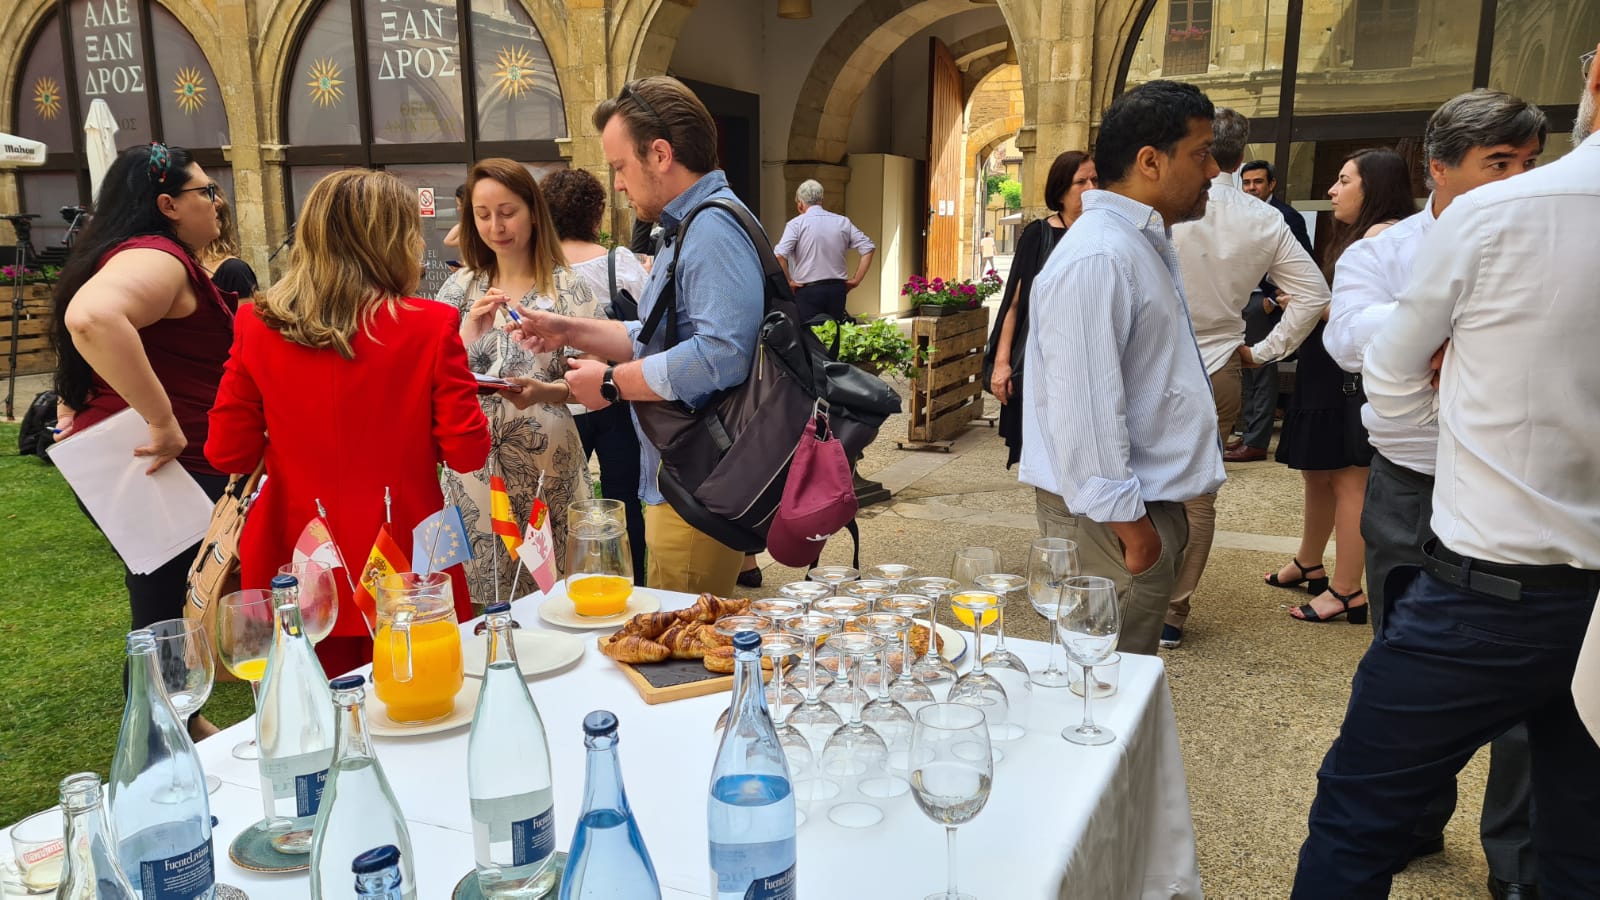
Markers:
812,253
661,144
1121,427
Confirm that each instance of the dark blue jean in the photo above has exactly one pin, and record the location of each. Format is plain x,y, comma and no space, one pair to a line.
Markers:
1452,670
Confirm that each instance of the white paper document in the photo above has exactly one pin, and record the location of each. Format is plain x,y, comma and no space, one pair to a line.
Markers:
149,519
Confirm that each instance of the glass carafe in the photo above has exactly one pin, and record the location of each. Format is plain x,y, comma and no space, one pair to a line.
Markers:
416,655
599,558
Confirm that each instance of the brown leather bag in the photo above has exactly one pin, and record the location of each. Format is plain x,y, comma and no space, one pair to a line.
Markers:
215,571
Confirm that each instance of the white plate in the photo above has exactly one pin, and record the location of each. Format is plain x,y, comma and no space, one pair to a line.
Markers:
538,652
955,644
379,723
557,610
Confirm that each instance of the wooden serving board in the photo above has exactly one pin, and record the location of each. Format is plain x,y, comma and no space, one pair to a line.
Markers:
676,679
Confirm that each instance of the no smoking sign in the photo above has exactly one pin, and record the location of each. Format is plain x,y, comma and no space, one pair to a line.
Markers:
425,202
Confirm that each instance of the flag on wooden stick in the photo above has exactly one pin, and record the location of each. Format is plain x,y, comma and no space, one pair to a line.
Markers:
500,517
538,547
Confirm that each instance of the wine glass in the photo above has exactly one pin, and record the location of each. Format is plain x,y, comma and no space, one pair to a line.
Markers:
971,562
854,749
1089,621
1050,562
728,626
1003,584
951,773
839,692
318,598
833,576
884,714
931,667
1005,666
869,590
776,610
806,592
183,655
977,687
778,646
894,573
246,622
813,714
905,688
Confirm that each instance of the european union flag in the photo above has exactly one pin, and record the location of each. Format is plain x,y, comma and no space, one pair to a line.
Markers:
440,542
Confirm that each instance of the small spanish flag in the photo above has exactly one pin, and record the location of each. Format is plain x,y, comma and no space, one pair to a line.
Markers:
386,558
500,515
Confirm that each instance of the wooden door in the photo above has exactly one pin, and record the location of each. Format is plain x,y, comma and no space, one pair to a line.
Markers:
942,256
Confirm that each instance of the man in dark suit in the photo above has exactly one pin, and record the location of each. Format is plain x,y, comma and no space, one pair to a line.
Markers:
1260,315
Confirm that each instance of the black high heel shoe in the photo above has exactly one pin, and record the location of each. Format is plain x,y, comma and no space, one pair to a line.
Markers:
1314,586
1357,615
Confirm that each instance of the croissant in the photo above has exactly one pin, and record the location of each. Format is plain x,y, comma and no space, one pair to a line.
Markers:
710,637
631,648
650,625
721,660
682,641
709,608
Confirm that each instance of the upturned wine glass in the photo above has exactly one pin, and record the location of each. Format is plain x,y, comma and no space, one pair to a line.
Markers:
318,598
839,691
183,654
952,770
780,646
1004,584
806,592
246,623
894,573
886,715
971,562
870,590
854,751
1089,621
905,688
813,717
1050,562
978,687
931,667
728,626
776,610
1007,667
833,576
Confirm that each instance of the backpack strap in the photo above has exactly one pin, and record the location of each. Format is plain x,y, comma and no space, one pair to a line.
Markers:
855,543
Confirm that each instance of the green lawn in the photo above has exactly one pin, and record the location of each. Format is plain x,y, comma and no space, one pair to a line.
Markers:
63,620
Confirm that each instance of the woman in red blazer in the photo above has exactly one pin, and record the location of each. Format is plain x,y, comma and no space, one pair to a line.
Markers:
349,388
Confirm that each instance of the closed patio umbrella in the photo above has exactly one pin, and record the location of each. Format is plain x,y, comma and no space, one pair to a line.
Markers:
100,140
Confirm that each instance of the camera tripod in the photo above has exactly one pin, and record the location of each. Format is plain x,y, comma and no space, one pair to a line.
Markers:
22,224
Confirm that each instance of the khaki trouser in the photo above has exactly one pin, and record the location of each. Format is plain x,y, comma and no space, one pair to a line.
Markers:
1143,597
685,559
1226,387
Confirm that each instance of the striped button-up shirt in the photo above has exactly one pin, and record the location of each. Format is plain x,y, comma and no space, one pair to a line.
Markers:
1119,408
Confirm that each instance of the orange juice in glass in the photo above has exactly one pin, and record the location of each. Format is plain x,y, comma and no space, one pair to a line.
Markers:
961,604
599,560
416,654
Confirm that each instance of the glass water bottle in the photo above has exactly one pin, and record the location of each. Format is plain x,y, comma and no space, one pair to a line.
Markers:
607,859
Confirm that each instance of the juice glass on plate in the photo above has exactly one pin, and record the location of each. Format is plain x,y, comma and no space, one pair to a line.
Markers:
599,559
416,655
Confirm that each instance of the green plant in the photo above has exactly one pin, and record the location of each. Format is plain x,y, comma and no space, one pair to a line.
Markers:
994,182
1011,190
878,343
41,275
958,294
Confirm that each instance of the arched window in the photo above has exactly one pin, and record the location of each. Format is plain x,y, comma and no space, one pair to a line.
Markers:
136,56
421,88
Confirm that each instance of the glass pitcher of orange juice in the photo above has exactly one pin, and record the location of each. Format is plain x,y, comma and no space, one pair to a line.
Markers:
416,655
599,559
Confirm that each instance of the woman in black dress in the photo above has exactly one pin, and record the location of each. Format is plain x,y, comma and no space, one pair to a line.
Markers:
1322,432
221,257
1070,175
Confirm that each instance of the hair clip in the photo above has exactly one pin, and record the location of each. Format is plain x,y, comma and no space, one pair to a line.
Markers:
160,162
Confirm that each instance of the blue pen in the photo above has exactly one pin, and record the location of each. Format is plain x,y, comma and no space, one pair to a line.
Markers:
513,314
56,430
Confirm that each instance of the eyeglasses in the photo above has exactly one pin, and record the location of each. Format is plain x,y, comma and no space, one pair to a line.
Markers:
210,190
628,93
1586,62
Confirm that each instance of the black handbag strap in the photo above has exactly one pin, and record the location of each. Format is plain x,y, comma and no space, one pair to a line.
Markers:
611,274
777,284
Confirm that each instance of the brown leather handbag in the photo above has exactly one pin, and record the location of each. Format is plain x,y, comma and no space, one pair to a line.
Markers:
215,571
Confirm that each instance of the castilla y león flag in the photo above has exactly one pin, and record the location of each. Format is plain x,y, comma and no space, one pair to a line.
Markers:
538,547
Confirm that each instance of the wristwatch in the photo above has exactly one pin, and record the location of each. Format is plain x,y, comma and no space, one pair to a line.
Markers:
608,387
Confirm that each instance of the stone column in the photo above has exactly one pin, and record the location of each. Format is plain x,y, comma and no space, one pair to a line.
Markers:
1061,63
585,81
257,199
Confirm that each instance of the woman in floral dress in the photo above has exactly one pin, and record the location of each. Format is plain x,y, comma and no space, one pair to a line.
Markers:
511,254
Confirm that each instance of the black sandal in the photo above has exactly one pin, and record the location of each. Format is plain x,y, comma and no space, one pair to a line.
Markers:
1357,614
750,577
1314,586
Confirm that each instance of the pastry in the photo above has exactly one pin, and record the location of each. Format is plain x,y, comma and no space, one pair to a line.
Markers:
632,648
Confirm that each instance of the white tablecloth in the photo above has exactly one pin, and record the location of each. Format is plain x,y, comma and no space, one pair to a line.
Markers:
1061,821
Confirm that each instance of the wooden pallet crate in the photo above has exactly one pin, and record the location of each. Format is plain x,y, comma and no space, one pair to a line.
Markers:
946,392
33,330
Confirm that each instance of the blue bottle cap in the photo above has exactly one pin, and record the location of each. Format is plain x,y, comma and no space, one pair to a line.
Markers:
497,608
376,860
284,582
600,723
746,640
347,682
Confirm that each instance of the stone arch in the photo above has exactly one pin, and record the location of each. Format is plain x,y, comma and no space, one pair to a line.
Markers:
23,19
1116,26
982,140
849,59
981,68
643,35
969,49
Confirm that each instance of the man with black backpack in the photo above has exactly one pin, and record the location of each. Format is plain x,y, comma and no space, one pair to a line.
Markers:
660,142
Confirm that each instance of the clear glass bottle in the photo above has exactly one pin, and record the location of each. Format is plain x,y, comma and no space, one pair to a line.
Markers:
377,873
508,776
750,814
358,809
294,726
159,809
607,859
89,870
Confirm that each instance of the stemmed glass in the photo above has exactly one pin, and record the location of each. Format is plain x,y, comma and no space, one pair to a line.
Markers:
246,622
778,646
977,687
854,749
951,774
839,692
776,610
869,590
906,688
728,626
971,562
884,714
813,714
833,576
1003,584
894,573
1089,621
1050,562
931,667
183,654
318,598
806,592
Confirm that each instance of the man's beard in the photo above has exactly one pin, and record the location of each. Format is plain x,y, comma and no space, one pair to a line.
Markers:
1583,124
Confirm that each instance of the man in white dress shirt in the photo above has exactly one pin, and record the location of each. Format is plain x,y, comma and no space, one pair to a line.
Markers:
1224,256
1487,634
1120,426
812,254
1472,140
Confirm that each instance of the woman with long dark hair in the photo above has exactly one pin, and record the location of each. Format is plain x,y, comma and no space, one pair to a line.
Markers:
1322,432
1071,174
